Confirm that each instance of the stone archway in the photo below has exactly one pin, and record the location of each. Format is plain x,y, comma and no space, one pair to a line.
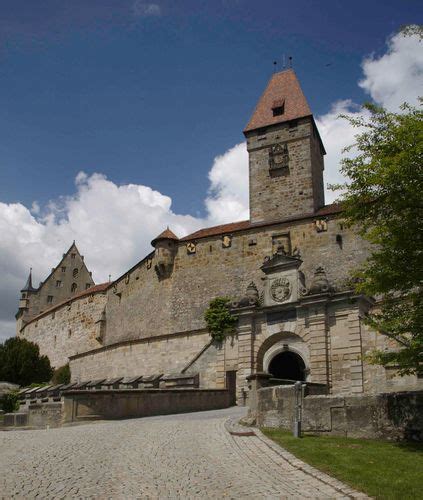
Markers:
289,354
287,365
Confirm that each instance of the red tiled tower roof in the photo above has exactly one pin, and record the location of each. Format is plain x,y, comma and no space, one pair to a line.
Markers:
282,91
167,234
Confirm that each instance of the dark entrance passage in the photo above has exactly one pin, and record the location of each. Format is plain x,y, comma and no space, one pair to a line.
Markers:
287,365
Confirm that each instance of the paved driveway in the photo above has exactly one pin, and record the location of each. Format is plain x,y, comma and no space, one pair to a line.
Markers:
174,456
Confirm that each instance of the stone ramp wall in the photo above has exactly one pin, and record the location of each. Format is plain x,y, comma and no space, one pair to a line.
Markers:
115,404
389,415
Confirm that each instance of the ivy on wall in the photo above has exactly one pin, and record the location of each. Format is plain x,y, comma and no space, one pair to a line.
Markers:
220,322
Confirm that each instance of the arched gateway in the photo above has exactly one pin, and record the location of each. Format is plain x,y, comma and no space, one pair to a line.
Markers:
287,365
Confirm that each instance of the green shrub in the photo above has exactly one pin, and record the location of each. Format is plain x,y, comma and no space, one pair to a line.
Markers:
9,402
220,322
21,363
62,375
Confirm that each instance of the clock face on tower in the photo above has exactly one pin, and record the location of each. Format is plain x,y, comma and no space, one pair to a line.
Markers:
280,290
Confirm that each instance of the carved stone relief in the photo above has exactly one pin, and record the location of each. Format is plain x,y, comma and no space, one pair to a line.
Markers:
280,289
278,157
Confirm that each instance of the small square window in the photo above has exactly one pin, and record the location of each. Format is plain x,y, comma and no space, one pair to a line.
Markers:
58,284
63,269
73,255
278,107
49,299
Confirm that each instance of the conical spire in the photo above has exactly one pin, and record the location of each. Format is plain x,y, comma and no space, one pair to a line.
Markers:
28,285
282,101
167,234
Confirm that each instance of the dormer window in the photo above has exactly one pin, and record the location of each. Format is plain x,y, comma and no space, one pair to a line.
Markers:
278,107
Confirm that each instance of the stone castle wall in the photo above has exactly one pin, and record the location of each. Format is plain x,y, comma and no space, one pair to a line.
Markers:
68,329
142,306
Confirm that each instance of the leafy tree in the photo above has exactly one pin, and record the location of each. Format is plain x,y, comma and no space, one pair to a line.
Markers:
21,363
220,322
384,199
10,402
62,375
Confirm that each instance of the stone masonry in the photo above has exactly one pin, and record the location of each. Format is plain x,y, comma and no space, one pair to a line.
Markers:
286,272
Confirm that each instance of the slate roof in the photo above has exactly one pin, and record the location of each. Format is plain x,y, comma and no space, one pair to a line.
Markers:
284,90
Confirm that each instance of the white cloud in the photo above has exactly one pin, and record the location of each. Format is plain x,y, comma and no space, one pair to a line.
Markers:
389,79
227,200
113,225
145,9
397,75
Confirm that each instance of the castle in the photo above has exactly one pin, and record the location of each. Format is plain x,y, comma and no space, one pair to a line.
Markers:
286,270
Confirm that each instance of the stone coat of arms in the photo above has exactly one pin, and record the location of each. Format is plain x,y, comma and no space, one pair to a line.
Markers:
280,290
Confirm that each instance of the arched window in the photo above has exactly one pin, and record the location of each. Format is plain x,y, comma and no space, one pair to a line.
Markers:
74,287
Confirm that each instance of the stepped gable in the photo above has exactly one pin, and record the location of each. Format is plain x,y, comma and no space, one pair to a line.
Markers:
283,91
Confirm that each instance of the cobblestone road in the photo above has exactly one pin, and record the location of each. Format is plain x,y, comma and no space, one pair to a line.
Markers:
175,456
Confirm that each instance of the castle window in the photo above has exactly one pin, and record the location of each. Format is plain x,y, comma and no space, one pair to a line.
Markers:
49,299
278,107
87,285
24,295
73,255
74,287
58,284
69,333
75,272
63,269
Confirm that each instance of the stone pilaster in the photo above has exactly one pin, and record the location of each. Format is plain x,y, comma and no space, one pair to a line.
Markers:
355,351
245,352
317,340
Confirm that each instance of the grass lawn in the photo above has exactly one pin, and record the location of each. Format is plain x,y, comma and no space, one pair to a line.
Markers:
379,468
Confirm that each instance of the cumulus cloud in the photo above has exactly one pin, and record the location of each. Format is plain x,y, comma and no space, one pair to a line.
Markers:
113,225
390,79
227,200
145,9
397,75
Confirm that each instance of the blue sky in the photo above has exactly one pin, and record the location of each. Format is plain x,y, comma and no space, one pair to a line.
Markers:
120,117
151,95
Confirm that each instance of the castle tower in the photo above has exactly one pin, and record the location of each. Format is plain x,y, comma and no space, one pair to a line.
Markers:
165,249
285,153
